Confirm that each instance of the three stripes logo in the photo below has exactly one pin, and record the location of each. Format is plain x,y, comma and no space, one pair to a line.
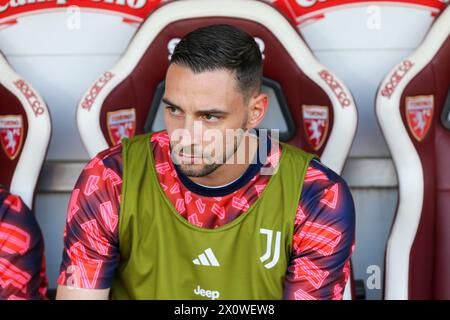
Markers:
267,254
207,258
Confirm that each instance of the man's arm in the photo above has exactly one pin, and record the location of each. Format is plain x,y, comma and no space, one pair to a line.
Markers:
91,250
323,238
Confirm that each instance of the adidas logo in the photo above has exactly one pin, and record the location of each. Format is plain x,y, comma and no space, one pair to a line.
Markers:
207,258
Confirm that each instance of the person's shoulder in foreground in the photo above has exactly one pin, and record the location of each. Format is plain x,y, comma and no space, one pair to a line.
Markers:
22,261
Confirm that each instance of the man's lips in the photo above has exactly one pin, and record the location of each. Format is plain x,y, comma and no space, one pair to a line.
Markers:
185,155
187,158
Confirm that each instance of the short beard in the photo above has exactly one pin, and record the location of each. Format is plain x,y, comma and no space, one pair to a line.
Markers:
190,171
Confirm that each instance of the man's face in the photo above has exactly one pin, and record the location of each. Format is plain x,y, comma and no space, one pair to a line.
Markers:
199,111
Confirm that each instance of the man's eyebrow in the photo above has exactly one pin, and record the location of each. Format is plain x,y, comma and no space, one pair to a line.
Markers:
212,111
166,101
199,112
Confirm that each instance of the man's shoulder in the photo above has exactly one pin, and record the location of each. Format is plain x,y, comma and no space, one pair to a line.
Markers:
325,192
112,157
320,179
114,152
317,168
109,158
297,151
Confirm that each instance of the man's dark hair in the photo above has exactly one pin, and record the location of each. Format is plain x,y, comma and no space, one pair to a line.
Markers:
222,47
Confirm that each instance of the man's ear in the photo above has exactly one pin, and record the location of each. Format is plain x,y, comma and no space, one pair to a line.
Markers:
258,105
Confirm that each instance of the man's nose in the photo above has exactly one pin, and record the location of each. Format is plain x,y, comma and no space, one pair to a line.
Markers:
193,130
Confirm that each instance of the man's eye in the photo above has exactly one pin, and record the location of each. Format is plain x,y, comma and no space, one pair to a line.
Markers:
174,111
210,118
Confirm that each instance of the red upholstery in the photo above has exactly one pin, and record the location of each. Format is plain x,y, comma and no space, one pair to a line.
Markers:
420,95
10,106
24,134
430,255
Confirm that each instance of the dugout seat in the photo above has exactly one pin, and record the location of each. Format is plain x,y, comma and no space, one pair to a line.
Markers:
413,110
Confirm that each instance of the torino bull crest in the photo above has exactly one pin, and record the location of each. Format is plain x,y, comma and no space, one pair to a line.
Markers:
121,124
315,123
11,134
419,115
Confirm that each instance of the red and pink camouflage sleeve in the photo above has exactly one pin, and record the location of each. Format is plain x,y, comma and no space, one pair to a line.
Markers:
323,238
91,248
22,261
